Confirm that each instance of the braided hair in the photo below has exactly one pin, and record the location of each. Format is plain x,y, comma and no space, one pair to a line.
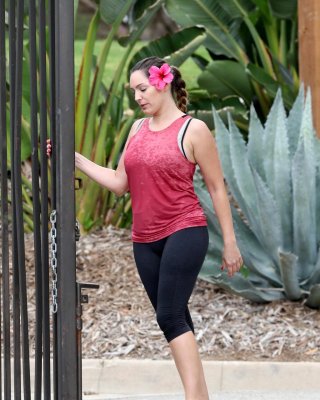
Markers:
178,85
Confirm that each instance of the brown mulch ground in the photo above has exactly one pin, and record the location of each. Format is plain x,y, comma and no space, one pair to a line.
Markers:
119,320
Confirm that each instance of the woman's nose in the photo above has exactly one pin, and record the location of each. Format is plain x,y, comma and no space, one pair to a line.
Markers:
137,96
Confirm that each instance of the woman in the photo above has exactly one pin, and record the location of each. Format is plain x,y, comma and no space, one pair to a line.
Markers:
169,232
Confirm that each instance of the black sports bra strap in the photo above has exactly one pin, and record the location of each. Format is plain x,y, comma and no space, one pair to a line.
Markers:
184,132
139,124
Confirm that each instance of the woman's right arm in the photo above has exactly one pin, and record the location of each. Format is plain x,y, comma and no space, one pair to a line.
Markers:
114,180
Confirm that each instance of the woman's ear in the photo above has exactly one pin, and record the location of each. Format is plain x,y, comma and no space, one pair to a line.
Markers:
167,87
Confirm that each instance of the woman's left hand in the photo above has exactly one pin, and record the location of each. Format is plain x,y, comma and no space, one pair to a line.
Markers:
231,259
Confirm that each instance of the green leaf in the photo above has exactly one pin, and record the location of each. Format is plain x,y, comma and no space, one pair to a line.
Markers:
140,7
207,205
222,29
244,271
289,274
269,140
135,33
255,257
226,78
75,7
200,61
241,168
264,9
314,278
269,232
223,145
236,8
314,297
83,87
277,166
255,143
307,132
175,48
110,9
283,8
242,286
263,78
304,212
294,122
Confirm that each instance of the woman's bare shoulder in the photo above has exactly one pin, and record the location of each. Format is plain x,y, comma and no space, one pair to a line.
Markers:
136,126
199,129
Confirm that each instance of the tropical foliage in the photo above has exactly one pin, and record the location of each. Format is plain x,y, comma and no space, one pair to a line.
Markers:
252,51
274,181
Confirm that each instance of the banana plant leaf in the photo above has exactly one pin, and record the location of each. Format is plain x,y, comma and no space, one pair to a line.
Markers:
226,78
283,8
139,9
236,8
222,29
262,77
111,9
144,18
176,48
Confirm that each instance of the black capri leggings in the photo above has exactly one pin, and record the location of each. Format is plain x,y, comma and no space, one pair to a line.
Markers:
168,269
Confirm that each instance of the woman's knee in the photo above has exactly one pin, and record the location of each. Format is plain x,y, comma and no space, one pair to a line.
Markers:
172,325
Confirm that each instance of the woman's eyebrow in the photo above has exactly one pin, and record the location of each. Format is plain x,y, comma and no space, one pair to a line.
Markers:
140,84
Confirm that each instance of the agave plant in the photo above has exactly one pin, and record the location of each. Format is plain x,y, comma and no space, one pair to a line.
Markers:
274,181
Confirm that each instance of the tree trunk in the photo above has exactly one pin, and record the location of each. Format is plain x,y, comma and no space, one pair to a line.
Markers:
309,52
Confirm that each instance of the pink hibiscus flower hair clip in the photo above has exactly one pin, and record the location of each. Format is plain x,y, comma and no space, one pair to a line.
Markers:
160,77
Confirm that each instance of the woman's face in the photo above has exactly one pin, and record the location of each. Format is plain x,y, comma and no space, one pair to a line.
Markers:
146,95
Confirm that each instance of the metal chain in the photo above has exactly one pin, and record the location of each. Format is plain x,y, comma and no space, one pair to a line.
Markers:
53,261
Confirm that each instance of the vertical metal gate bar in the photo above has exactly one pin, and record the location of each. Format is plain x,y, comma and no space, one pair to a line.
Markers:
66,319
15,272
44,200
5,328
35,198
18,205
53,170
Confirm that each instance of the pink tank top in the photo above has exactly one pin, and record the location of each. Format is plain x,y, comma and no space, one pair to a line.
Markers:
160,182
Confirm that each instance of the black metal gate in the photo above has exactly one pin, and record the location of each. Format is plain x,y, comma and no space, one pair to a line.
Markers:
42,31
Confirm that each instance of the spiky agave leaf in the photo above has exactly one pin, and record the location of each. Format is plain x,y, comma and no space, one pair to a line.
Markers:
294,122
255,143
304,212
256,259
289,274
229,160
278,165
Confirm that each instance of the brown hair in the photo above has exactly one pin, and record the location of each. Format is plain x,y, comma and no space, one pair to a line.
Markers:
178,85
